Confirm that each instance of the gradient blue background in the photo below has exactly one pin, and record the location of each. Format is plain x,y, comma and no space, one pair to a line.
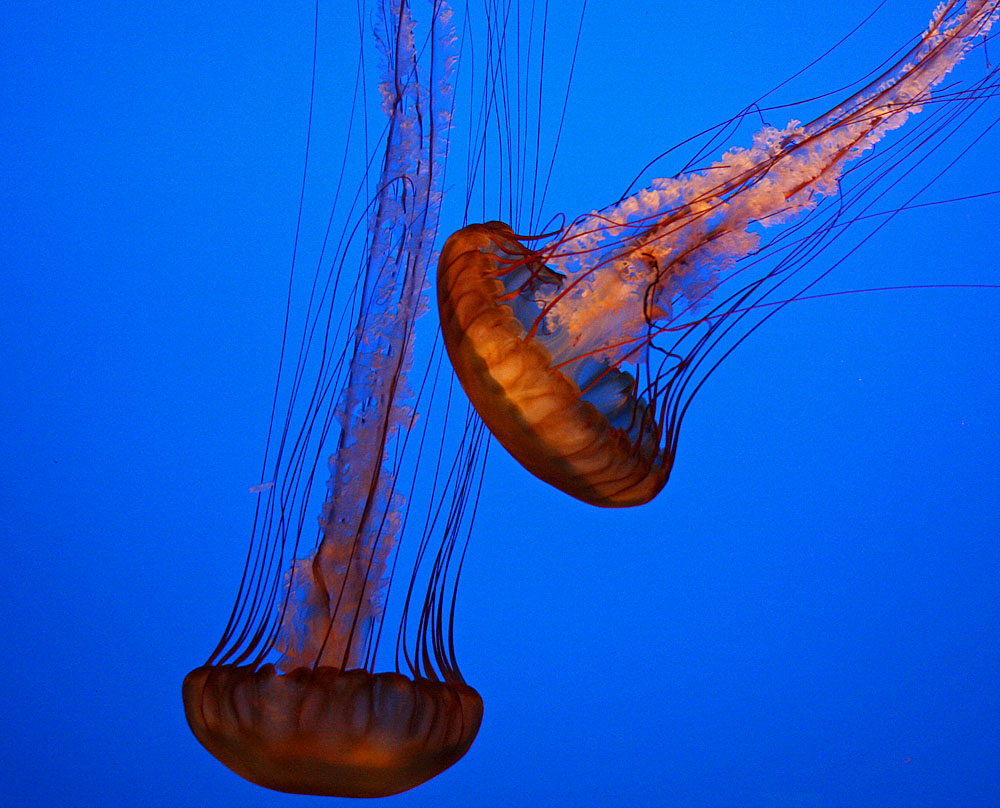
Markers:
806,617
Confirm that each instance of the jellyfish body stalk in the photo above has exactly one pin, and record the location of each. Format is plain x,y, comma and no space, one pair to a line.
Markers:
542,337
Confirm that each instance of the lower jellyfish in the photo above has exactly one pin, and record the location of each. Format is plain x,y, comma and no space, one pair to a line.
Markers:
290,698
544,332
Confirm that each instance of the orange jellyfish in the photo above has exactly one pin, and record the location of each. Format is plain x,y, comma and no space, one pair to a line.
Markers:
581,350
290,698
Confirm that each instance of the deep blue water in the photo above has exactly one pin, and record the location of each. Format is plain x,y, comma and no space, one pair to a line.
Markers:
806,617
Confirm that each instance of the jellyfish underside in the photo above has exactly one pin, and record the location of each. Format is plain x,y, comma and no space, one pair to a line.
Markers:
330,733
539,337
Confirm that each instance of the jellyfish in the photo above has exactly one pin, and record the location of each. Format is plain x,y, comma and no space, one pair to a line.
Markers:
582,348
291,699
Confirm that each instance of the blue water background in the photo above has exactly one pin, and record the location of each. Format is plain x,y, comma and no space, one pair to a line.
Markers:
806,617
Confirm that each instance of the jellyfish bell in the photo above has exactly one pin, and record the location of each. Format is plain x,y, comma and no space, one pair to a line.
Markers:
328,732
543,338
291,698
593,439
